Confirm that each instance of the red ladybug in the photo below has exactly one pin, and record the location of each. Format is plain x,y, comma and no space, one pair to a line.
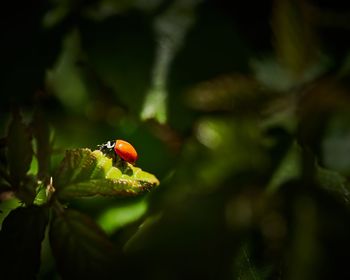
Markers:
121,148
125,150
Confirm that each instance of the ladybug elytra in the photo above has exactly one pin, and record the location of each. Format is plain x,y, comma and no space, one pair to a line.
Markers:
121,148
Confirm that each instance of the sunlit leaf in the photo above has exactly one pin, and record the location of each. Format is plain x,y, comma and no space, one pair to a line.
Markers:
44,193
86,173
20,242
20,151
116,217
41,197
80,247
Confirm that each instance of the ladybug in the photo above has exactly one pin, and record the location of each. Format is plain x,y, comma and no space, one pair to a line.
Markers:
121,148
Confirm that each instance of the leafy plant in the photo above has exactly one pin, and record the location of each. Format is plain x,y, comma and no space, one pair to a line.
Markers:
79,245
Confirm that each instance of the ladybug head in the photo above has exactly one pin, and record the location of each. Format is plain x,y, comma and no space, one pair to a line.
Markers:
107,148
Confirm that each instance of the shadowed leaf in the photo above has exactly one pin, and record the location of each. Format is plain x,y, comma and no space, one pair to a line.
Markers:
333,182
80,247
20,242
19,152
245,268
288,169
336,142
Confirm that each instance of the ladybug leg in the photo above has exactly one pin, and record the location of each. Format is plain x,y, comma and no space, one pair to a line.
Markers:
123,165
120,163
101,147
116,159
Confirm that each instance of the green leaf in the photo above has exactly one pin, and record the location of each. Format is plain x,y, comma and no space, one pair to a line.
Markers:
115,218
44,194
41,197
19,149
86,173
20,241
80,247
8,202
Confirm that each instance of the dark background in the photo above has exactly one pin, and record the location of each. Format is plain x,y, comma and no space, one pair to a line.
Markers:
251,144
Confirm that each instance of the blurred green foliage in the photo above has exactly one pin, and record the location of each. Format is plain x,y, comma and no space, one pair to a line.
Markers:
240,108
